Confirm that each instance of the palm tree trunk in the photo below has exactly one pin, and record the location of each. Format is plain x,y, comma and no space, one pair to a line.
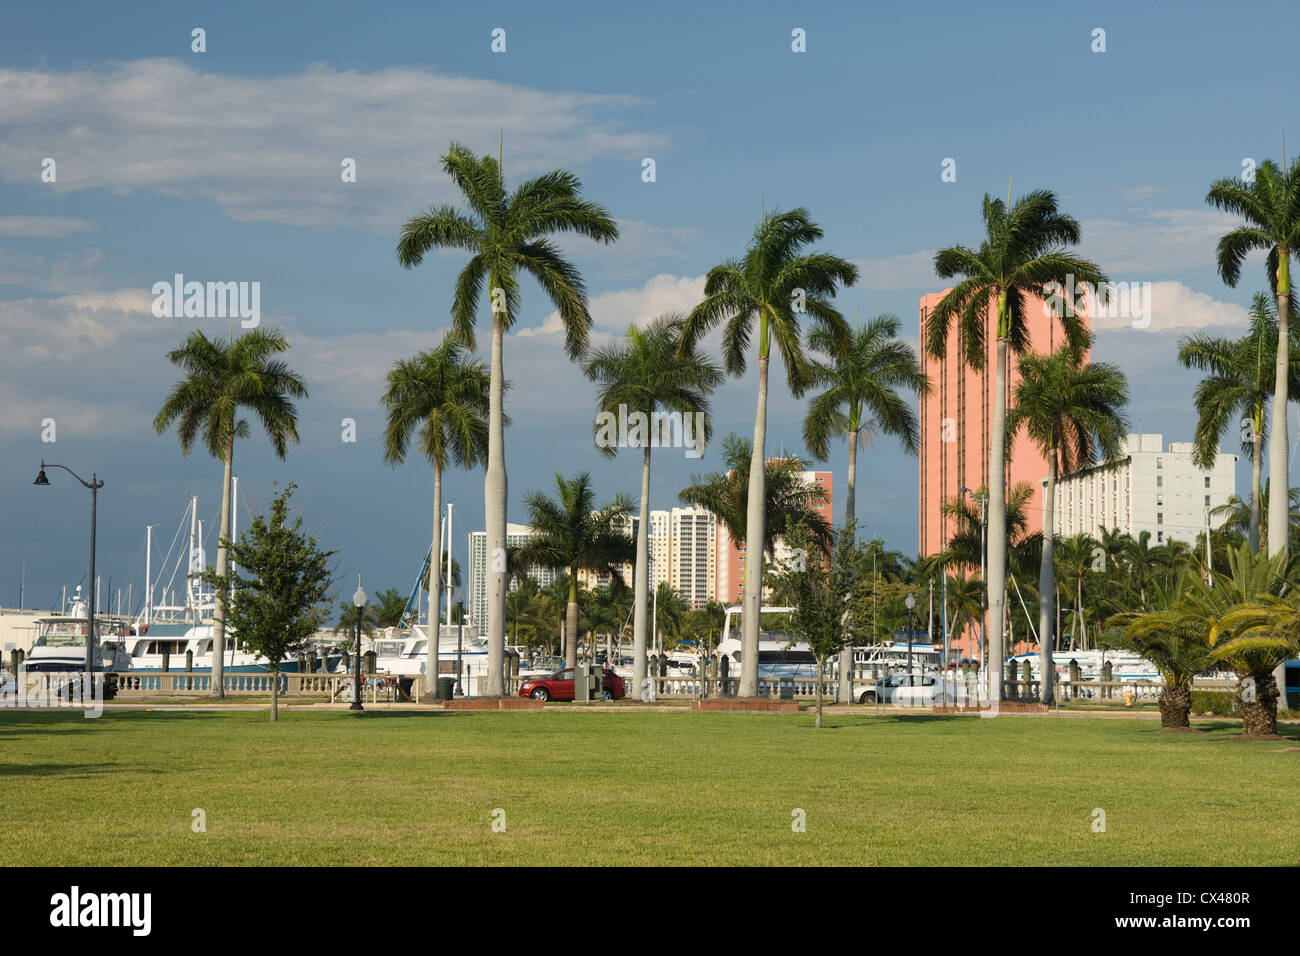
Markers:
641,579
1256,493
219,614
1259,716
754,533
997,532
494,513
1175,705
571,623
845,695
1047,585
435,560
1279,498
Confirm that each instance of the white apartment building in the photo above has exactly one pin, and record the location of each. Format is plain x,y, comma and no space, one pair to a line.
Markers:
1148,488
694,555
516,535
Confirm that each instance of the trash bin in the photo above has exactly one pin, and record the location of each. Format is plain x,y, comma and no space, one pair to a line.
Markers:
445,687
787,688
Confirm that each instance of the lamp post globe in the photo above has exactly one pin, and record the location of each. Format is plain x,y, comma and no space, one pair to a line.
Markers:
359,602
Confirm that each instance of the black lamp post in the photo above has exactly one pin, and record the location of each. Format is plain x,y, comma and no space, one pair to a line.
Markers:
911,605
359,602
94,485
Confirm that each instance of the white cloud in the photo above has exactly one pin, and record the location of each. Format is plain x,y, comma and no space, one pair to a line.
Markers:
43,227
1151,243
269,149
1135,194
909,270
1169,305
613,312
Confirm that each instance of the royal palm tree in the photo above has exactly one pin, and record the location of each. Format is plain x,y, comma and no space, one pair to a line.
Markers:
1237,389
861,399
1072,411
1269,208
789,503
569,534
767,291
506,234
444,397
647,373
1022,257
221,378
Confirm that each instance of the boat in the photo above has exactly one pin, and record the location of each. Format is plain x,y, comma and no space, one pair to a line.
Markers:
403,652
781,654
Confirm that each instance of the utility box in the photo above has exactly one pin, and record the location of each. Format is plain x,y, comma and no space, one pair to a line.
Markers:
587,682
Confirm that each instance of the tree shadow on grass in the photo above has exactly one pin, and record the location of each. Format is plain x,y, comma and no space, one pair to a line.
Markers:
56,769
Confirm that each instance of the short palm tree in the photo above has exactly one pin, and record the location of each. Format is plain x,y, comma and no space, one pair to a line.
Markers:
443,396
767,291
506,234
1238,514
1237,389
569,534
1022,257
861,383
789,503
221,378
647,373
1269,207
1071,410
670,615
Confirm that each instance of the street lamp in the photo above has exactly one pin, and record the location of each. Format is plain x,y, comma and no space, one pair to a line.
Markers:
911,606
983,500
94,485
359,602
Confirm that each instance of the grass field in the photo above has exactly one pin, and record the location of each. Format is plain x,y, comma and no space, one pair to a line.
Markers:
335,788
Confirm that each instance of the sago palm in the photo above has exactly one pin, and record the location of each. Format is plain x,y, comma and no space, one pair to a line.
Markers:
1269,207
765,295
506,234
1023,256
443,396
861,380
223,377
648,374
1237,389
571,535
1073,413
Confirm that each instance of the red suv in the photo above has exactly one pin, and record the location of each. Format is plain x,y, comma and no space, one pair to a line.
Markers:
559,686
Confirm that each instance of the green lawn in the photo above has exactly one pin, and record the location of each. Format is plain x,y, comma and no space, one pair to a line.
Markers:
334,788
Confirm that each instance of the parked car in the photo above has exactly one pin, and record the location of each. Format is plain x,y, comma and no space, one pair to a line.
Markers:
559,686
910,690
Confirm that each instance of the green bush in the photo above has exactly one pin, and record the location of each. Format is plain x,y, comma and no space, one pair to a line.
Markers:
1217,702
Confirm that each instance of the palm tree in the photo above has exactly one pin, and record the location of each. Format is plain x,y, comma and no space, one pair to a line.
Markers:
771,286
570,534
389,605
670,614
860,399
1023,255
1254,639
646,373
789,503
221,378
1237,388
1071,410
506,234
445,397
1237,514
1269,207
348,616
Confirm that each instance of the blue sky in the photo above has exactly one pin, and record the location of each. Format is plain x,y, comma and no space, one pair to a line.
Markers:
224,165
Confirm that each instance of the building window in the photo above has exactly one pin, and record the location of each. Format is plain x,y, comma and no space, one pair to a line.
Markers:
1207,501
1159,464
1160,536
1160,499
1160,481
1160,517
1207,481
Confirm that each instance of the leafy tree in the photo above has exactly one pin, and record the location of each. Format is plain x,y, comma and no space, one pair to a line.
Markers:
1269,209
767,291
1023,255
1071,410
646,373
221,378
506,234
570,534
282,577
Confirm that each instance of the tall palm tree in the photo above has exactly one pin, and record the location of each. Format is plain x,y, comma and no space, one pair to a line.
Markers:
1023,255
569,534
443,396
1269,207
506,233
1237,514
221,378
771,286
861,398
1071,410
1237,388
648,373
789,503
